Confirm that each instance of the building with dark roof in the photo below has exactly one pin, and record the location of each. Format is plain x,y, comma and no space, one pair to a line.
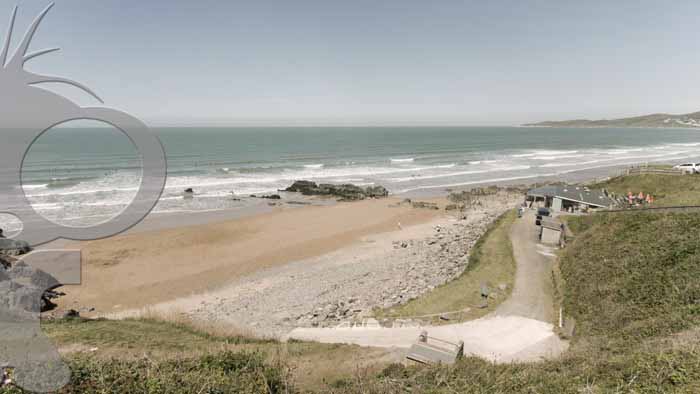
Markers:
569,198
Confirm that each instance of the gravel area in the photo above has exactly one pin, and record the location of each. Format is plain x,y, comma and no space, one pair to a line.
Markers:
345,285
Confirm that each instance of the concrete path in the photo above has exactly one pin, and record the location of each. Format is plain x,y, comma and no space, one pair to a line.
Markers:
519,330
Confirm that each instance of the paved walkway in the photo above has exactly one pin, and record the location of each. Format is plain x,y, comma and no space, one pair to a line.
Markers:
519,330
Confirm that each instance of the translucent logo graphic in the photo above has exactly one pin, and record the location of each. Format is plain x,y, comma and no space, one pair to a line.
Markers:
26,112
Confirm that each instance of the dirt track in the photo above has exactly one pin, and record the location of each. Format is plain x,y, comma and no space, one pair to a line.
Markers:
532,293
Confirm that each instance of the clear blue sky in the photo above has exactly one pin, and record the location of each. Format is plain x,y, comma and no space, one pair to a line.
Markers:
372,61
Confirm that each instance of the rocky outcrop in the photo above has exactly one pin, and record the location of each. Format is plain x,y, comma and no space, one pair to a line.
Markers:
424,205
13,247
268,197
303,187
24,291
348,192
377,191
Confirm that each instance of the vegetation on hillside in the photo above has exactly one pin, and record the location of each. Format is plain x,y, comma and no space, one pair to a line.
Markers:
491,262
667,190
151,356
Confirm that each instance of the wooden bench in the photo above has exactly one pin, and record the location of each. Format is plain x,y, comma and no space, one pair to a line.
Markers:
428,350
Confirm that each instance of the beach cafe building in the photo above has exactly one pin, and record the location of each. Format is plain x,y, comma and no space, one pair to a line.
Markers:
568,198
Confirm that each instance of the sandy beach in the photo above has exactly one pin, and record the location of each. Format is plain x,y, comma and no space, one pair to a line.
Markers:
278,265
147,267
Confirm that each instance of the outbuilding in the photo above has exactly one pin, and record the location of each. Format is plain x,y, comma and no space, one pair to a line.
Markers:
551,232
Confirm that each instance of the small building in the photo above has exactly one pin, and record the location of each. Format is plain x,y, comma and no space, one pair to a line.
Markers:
551,232
568,198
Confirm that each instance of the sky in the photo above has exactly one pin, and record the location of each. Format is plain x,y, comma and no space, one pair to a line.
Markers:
371,62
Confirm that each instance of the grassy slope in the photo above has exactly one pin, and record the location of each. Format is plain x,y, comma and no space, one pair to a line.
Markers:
668,190
491,262
642,269
149,356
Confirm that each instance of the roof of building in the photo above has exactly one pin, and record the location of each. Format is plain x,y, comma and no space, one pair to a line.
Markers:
551,224
580,194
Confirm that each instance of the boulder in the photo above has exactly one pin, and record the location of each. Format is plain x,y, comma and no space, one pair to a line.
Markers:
71,314
24,289
376,191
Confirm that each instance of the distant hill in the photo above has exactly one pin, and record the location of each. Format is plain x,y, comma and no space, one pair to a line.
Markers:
653,120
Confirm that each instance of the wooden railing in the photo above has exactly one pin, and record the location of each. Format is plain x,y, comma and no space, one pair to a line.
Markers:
644,169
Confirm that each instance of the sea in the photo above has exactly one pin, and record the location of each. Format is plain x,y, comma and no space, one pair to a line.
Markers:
83,176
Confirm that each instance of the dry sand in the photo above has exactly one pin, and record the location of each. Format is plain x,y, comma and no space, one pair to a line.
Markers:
145,268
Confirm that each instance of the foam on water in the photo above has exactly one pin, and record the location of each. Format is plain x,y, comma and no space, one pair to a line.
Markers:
97,191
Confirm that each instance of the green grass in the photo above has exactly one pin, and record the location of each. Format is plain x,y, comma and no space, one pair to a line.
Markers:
105,355
490,261
140,335
641,269
668,190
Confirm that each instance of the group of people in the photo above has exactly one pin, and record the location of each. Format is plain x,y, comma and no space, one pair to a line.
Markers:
640,198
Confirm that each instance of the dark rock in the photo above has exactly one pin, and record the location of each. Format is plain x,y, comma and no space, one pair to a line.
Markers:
24,289
424,205
301,187
6,261
272,197
71,314
13,247
348,192
376,191
189,190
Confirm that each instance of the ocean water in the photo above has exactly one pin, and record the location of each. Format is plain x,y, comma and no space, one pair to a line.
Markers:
84,176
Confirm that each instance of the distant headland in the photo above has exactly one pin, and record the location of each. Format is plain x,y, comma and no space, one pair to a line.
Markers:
690,120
